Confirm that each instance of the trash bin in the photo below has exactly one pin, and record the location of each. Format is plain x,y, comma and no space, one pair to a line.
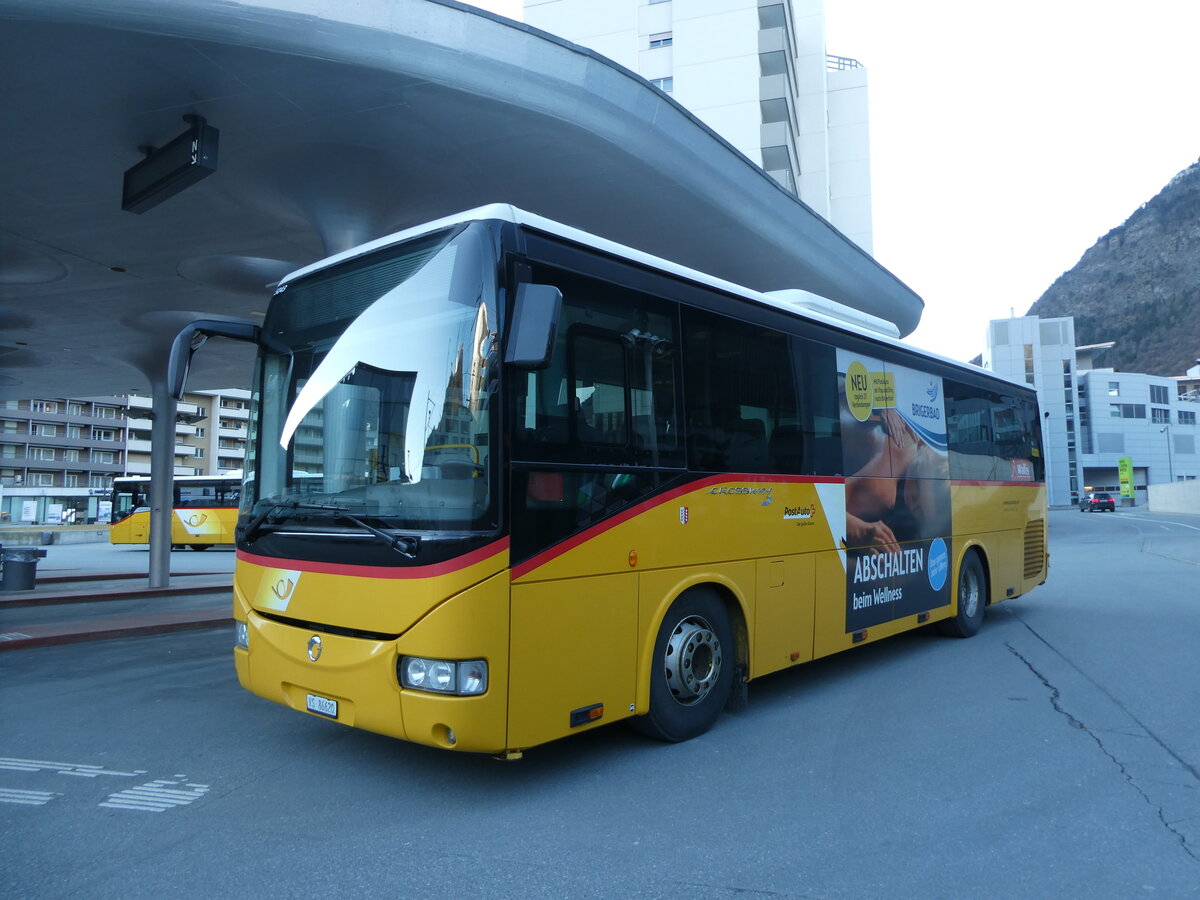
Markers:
20,567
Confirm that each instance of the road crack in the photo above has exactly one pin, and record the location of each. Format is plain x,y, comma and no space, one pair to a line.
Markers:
1055,698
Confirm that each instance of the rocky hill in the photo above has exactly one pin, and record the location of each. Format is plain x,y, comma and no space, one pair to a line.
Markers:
1139,285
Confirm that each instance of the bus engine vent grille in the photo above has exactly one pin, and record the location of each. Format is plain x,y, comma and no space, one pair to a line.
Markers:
1035,548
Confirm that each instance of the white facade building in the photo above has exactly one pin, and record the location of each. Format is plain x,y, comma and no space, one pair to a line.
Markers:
1041,352
757,73
1143,417
1094,416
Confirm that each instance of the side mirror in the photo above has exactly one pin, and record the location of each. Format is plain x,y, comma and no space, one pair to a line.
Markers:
193,336
534,325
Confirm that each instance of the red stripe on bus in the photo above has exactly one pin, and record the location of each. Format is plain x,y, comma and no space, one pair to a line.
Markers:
620,518
998,483
443,568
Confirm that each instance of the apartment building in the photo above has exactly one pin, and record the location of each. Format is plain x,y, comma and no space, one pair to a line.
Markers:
210,433
58,456
757,73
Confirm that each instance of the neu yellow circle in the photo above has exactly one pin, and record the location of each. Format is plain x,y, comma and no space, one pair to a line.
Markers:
858,391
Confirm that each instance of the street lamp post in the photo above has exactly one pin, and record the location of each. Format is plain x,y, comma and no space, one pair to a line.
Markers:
1166,429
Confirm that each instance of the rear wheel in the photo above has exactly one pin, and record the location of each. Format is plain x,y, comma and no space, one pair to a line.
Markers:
198,546
972,599
692,668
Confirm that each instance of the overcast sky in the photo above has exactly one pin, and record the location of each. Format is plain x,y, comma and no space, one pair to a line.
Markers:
1007,138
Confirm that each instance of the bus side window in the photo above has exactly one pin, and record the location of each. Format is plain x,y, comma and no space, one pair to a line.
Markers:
610,395
991,436
742,389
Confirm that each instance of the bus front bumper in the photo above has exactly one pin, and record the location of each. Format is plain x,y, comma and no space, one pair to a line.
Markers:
354,680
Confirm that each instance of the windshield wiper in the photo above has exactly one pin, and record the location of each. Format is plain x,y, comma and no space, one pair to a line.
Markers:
406,545
250,531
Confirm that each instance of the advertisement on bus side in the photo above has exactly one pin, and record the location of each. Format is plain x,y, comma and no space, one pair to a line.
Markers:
897,530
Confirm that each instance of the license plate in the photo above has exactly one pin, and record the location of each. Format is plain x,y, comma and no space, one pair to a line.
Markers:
322,706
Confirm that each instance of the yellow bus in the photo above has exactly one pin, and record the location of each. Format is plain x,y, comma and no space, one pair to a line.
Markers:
205,510
508,481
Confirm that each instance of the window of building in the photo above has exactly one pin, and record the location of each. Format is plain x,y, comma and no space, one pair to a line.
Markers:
8,426
1114,389
199,453
45,429
75,431
44,406
71,479
1187,417
41,479
775,110
103,456
46,453
1029,363
1127,410
103,434
664,84
74,408
1159,394
772,16
662,39
199,432
100,481
1160,416
8,451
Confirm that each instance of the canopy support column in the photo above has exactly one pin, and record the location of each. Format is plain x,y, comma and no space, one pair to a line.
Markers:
162,486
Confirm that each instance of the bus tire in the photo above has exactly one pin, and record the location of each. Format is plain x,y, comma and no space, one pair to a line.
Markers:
198,546
972,599
692,669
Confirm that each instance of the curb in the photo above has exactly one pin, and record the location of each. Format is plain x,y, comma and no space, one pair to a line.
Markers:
103,628
36,597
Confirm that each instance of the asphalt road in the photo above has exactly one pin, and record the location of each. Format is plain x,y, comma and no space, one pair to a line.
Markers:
1056,754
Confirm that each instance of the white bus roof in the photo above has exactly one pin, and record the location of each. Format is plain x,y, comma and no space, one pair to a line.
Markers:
800,303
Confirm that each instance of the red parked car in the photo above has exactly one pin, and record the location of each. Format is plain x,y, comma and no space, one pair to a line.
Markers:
1097,500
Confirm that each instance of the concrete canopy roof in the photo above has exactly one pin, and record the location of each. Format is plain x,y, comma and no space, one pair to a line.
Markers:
339,122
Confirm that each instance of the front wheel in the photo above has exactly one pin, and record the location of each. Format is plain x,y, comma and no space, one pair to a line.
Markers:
972,599
692,669
198,546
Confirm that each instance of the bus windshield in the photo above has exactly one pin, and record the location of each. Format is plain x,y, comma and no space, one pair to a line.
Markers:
372,394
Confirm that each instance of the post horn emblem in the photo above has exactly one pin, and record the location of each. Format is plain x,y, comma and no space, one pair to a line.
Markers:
314,647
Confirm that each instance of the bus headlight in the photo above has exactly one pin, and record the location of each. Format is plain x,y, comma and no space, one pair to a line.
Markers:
443,676
241,635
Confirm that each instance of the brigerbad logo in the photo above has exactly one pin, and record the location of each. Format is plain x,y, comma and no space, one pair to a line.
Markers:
939,564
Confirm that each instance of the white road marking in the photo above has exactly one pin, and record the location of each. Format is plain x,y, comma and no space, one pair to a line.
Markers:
41,765
157,796
27,798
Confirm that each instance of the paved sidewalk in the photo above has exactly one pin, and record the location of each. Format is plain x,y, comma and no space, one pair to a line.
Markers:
89,592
